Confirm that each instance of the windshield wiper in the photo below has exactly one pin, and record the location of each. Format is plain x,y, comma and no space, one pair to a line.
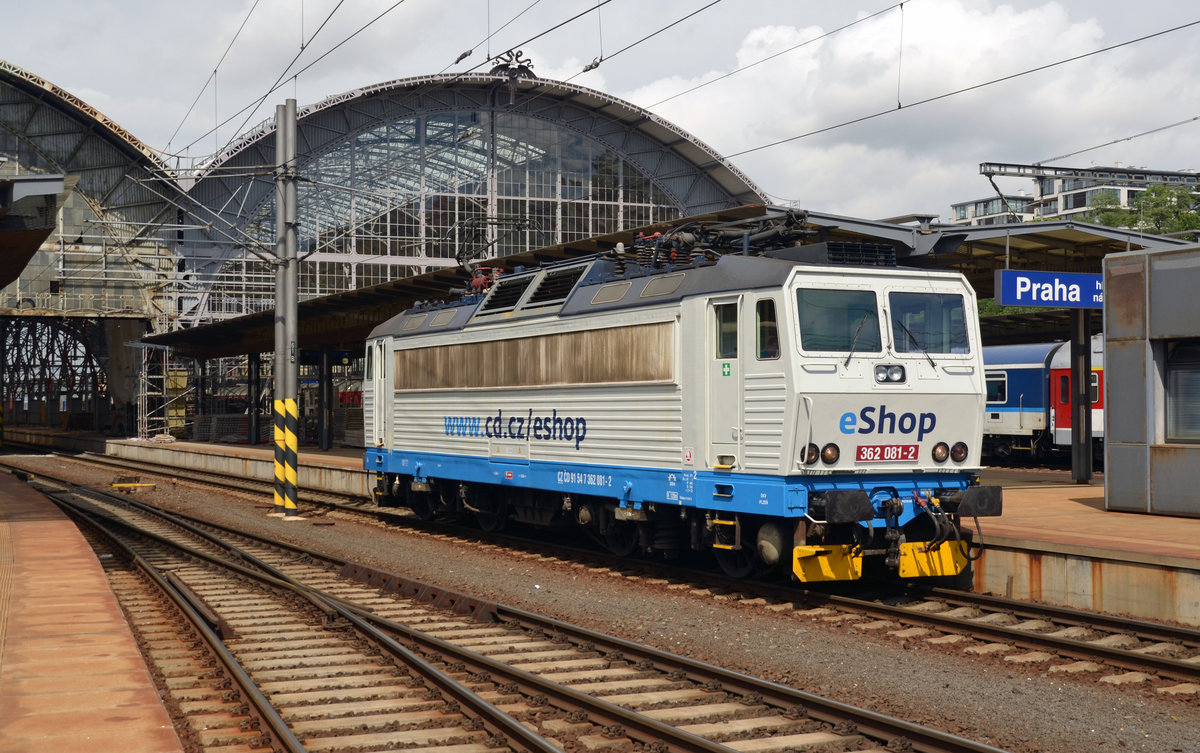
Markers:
912,337
854,340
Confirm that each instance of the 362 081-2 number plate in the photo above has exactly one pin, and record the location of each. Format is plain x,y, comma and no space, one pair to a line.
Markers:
884,453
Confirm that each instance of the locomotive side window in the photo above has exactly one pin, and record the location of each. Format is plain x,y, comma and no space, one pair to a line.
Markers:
1094,392
928,323
768,330
838,320
727,330
997,387
1064,390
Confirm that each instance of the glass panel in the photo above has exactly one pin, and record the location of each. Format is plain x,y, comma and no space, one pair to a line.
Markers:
1095,388
838,320
727,331
768,330
1183,391
928,323
1064,390
997,388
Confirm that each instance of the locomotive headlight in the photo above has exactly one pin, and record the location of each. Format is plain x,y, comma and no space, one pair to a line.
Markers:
958,452
941,451
885,373
811,454
830,454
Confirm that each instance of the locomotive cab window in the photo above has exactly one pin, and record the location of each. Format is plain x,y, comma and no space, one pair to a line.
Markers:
768,330
1094,388
838,321
928,323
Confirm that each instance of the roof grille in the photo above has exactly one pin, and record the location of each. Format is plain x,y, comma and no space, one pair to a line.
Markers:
556,286
506,294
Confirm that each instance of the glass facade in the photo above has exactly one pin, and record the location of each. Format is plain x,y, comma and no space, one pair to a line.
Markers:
416,194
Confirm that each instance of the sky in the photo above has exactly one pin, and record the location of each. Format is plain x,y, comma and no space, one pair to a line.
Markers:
936,86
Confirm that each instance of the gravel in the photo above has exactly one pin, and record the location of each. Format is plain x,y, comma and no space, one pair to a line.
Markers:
1018,708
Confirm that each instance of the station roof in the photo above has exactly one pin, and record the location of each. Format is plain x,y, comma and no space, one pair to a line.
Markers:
343,320
25,204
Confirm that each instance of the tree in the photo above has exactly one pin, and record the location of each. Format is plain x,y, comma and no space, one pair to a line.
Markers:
1105,209
1165,209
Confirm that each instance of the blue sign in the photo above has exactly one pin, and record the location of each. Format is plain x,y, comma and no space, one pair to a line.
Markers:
1019,287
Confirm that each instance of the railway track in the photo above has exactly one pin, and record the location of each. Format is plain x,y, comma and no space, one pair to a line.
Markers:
329,655
1056,640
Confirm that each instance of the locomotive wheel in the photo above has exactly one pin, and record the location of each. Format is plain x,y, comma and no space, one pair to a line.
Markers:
621,538
739,563
490,512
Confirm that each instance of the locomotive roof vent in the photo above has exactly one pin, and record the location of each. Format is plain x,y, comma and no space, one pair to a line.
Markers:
506,294
555,286
839,253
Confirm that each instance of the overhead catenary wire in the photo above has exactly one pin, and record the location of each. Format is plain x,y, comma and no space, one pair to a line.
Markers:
963,90
212,76
1160,129
772,56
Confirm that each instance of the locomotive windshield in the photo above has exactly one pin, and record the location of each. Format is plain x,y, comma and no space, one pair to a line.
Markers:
838,320
928,323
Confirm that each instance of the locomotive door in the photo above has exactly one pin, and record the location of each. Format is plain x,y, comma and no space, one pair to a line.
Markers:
724,384
382,396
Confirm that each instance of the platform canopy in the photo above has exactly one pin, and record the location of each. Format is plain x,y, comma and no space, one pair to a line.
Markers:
342,321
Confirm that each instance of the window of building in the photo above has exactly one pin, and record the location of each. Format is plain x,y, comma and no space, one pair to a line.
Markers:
1183,391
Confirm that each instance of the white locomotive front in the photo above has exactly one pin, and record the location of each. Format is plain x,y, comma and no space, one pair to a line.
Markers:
781,414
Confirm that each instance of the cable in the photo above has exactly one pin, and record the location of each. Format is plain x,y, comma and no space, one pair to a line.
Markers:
963,90
491,34
1117,141
303,47
213,75
777,54
652,34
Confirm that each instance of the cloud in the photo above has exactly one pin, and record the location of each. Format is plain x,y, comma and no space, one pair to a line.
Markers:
143,63
922,157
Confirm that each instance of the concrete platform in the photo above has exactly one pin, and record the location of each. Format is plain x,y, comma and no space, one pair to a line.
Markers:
1055,542
71,676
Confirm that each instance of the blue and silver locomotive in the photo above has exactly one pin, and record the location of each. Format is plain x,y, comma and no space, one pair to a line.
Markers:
779,413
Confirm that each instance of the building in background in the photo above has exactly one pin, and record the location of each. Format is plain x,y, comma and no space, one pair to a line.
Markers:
997,210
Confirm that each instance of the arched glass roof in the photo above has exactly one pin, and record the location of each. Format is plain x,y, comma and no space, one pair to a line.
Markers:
46,129
404,177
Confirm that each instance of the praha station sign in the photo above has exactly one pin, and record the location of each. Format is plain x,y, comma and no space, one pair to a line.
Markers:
1018,287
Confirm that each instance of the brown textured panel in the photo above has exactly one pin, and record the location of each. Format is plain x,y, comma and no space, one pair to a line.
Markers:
640,353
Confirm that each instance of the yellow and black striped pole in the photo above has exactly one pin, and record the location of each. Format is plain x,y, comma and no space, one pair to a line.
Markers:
287,351
280,449
291,432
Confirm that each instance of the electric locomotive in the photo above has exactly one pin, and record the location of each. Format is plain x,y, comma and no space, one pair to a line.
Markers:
779,412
